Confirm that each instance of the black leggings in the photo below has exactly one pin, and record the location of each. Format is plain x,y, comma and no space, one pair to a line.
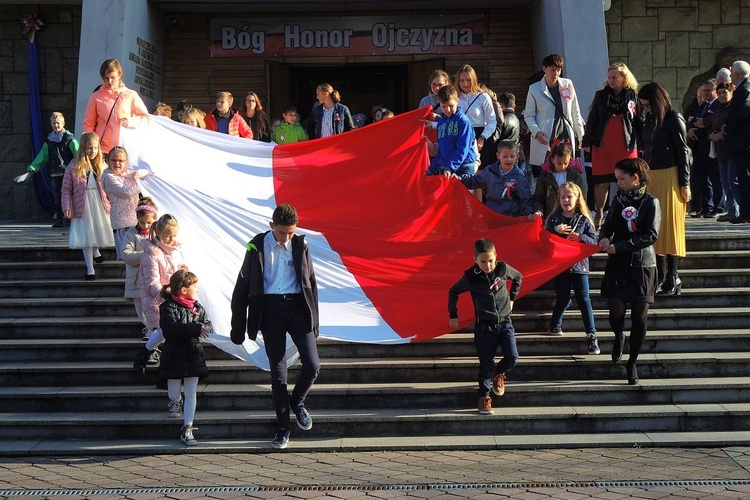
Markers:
638,319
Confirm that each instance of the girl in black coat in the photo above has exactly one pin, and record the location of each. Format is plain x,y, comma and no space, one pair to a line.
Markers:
628,234
183,322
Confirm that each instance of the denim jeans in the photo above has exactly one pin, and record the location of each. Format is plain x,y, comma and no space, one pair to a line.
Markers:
728,171
580,284
487,338
467,168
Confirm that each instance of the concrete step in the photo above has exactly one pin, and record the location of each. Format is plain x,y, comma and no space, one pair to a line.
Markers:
658,319
704,259
722,239
48,253
63,270
544,299
58,349
393,370
95,300
697,278
694,275
302,443
76,307
240,424
101,287
404,395
71,327
21,295
128,326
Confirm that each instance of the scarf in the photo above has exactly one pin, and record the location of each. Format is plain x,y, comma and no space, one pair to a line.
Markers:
616,104
53,137
628,200
630,197
189,303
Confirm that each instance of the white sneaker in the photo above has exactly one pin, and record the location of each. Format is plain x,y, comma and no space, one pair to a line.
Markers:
186,434
175,408
154,357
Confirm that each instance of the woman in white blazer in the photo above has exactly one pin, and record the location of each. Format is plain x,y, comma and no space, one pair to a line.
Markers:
552,112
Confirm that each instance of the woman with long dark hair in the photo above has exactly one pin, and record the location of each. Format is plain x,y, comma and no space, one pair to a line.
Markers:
627,236
666,151
255,116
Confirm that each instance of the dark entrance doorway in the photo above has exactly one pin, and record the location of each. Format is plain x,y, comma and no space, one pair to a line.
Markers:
360,86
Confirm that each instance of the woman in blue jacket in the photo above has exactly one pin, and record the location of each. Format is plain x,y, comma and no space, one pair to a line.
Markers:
330,117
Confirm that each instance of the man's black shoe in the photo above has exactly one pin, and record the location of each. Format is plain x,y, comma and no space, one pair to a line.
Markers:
281,439
304,420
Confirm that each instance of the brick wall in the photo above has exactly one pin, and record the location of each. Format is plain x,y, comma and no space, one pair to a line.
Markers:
58,65
674,41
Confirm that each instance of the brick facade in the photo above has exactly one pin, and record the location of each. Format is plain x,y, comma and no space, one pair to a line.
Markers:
58,66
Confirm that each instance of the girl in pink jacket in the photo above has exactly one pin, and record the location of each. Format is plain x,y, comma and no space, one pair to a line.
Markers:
161,258
113,105
123,192
86,204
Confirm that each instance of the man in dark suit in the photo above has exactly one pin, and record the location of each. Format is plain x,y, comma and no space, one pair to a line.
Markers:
704,178
738,129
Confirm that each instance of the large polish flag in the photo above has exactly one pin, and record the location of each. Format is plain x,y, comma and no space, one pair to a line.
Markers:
387,242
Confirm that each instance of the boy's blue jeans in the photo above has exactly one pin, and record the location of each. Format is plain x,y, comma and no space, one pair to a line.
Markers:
580,284
487,338
465,169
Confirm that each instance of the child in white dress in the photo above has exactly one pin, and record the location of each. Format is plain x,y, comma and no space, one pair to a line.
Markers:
86,204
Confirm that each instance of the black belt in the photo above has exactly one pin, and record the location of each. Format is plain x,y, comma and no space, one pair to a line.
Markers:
282,296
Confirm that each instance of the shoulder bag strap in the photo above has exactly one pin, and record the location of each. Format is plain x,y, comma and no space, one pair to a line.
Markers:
111,111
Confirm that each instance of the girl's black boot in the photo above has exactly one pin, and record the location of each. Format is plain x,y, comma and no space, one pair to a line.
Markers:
632,373
618,347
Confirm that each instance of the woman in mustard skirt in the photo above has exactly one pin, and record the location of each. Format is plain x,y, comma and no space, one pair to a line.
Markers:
666,151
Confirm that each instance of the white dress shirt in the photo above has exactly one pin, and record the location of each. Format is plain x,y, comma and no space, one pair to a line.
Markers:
278,274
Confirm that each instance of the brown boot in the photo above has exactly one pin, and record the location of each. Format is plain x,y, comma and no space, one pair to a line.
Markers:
498,384
485,405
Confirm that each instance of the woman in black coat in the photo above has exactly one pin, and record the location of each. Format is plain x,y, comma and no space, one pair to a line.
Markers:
184,323
612,127
627,236
669,158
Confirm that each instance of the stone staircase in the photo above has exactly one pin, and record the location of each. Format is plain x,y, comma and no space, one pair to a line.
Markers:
67,384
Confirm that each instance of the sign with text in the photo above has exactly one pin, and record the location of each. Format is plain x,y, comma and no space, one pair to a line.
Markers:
147,72
347,36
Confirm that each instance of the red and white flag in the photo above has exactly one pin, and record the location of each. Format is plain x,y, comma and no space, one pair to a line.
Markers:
386,241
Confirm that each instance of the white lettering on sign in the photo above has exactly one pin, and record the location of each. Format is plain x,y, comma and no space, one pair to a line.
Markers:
297,38
146,69
244,40
391,38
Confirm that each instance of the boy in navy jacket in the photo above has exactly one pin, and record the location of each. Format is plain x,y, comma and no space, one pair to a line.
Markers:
487,281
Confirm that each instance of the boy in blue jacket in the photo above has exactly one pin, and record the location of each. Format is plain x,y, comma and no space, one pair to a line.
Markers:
456,152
